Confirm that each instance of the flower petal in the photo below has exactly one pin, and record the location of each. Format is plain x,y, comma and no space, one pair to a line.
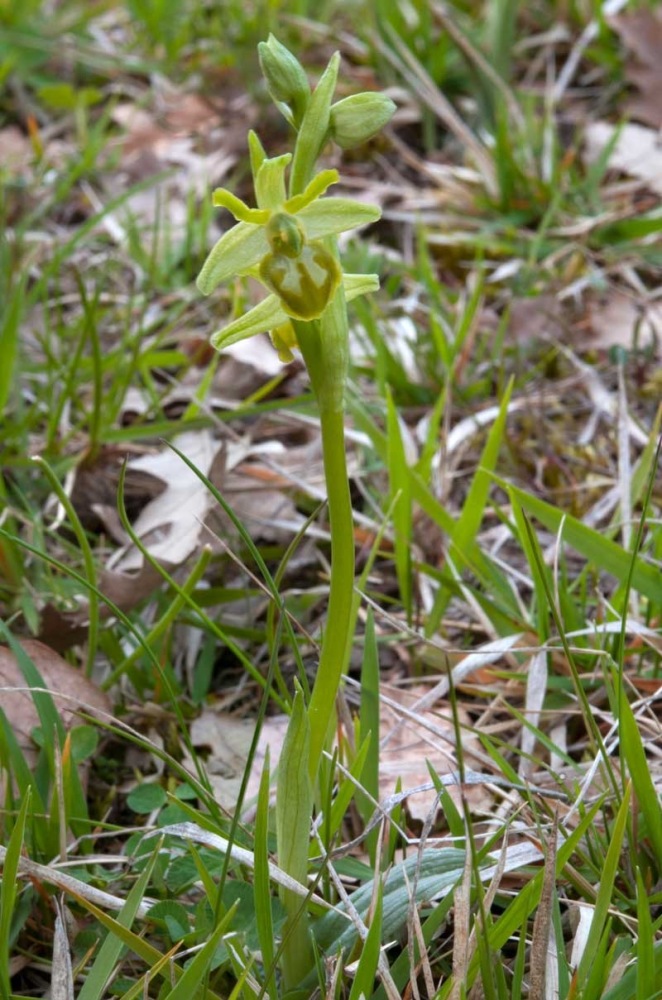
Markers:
237,251
327,216
317,187
264,316
284,340
222,198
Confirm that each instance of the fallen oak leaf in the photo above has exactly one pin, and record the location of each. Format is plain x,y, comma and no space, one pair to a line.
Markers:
641,31
636,152
63,629
70,689
169,526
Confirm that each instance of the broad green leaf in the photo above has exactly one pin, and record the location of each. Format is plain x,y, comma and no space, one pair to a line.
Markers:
146,797
173,915
294,803
84,742
438,871
294,796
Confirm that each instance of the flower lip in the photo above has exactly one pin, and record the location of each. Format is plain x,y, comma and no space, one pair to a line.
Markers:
305,283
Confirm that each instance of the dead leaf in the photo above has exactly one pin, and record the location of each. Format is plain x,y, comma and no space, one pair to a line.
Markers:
70,689
170,525
535,318
16,150
94,488
245,366
637,152
126,590
616,319
224,743
405,744
188,113
63,629
186,143
408,741
641,31
62,976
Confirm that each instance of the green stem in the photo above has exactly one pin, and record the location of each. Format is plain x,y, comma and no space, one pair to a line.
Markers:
337,633
323,347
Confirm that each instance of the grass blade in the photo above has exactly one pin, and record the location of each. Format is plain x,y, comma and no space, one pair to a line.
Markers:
261,884
633,753
601,551
365,974
95,984
192,977
604,898
400,495
8,893
369,716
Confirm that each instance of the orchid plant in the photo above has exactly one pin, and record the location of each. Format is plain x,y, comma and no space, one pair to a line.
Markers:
288,242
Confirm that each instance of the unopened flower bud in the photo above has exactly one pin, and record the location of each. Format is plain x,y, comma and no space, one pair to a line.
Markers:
285,76
356,119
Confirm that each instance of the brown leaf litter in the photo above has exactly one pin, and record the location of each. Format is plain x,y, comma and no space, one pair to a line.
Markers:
636,151
409,737
185,144
71,690
641,31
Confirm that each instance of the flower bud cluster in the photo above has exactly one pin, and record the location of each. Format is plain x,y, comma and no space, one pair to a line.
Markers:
351,121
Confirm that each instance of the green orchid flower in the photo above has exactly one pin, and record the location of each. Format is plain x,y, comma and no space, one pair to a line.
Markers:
281,243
